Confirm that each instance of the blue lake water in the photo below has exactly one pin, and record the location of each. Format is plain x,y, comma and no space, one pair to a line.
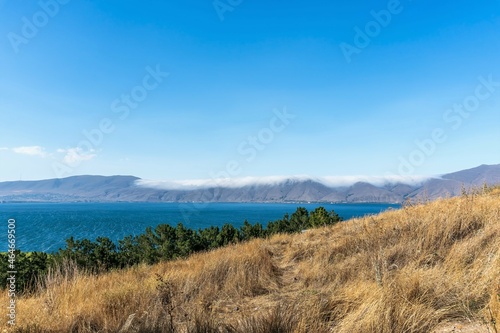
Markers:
46,226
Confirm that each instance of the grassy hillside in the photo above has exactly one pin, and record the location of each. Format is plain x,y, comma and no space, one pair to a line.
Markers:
433,267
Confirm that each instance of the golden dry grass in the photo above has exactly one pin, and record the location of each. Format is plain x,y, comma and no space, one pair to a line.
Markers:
411,270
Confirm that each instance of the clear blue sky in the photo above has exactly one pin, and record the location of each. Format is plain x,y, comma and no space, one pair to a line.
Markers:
359,102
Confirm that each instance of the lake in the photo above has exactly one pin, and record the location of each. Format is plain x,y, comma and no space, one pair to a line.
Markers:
46,226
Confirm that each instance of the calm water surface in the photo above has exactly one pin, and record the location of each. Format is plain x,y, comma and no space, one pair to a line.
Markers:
46,226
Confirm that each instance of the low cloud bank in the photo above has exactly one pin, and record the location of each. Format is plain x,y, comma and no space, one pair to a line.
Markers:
330,181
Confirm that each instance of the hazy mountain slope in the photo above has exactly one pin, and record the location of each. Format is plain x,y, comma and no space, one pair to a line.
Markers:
364,192
489,174
435,188
451,184
71,188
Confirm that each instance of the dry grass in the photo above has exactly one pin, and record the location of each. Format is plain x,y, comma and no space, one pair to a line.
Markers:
411,270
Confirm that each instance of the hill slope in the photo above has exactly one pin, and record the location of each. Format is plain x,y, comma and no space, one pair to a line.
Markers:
128,188
431,267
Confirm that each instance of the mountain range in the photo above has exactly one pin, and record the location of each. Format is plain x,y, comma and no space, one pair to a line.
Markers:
134,189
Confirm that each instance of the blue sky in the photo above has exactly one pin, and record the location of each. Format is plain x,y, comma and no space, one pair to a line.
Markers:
201,89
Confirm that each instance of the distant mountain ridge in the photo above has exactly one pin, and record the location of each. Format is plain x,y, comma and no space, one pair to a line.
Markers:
132,189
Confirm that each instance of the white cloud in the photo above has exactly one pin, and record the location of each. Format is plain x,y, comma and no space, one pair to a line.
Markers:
3,148
74,156
332,181
31,151
218,182
338,181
